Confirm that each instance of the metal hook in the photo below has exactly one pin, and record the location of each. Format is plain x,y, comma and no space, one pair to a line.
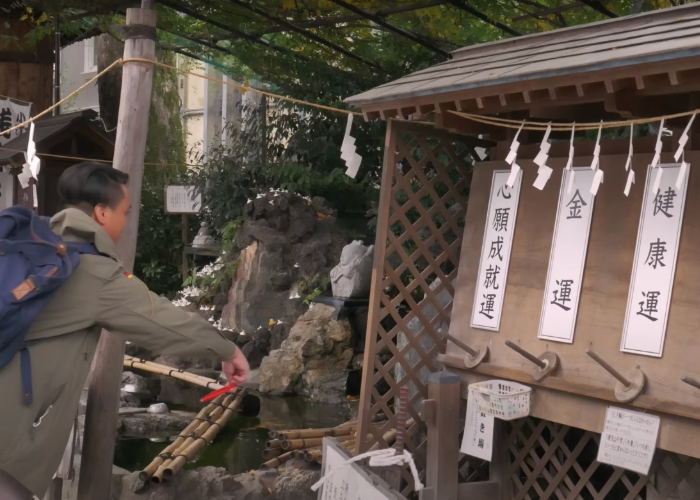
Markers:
546,363
625,390
474,357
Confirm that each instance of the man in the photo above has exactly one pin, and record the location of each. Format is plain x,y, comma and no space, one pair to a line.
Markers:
99,294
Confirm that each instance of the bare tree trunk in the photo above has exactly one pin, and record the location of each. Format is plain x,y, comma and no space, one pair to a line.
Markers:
109,86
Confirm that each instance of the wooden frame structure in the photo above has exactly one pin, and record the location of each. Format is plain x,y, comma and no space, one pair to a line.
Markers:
428,246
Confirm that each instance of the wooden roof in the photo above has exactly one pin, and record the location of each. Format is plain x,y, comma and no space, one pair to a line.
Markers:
514,73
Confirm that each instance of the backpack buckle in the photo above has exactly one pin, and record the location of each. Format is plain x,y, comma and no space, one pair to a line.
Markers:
61,249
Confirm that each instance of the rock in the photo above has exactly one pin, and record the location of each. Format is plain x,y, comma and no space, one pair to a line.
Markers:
158,408
205,483
128,400
134,384
150,424
190,363
358,362
295,484
282,242
255,351
317,353
280,372
353,276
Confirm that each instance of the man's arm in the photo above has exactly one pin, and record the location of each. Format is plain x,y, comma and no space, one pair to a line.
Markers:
126,306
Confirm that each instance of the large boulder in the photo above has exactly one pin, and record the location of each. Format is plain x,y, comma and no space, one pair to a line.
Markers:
314,360
353,275
295,482
289,245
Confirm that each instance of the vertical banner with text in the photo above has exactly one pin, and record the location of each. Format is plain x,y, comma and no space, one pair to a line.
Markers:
654,267
568,256
495,251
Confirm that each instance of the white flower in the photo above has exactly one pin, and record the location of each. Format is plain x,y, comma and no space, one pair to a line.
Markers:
279,321
295,295
296,265
181,302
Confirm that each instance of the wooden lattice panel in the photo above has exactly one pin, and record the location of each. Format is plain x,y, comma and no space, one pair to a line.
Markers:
421,216
557,462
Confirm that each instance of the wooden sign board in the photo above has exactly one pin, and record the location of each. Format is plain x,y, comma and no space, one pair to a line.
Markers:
576,386
353,481
182,200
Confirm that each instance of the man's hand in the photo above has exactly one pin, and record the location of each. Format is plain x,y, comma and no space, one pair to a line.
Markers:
236,369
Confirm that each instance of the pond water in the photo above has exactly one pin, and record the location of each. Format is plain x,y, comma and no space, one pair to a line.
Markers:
239,446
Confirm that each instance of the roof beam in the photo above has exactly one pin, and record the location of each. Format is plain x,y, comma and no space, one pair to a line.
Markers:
462,5
307,34
599,7
399,31
333,21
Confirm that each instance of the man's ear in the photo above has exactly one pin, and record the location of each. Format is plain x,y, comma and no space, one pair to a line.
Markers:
99,213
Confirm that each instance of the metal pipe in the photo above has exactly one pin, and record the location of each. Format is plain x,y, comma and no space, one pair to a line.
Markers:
612,371
458,343
526,354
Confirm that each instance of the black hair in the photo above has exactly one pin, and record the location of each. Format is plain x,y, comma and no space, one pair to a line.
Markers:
89,184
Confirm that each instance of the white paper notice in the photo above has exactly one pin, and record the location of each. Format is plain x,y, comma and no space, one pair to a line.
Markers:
567,258
628,439
179,200
348,483
495,251
478,432
654,265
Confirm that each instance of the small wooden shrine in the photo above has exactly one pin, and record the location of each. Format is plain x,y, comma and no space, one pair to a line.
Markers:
60,141
563,261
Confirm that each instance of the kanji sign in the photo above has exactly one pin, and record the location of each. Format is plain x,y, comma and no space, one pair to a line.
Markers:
182,200
12,113
629,439
654,267
568,256
495,251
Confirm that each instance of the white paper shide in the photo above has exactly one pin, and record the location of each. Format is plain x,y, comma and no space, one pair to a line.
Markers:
568,256
495,251
654,267
628,439
478,432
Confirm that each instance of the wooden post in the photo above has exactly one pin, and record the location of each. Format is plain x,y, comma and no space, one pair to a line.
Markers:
185,238
101,414
442,415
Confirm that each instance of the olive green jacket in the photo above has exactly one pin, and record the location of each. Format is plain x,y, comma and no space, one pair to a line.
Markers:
99,294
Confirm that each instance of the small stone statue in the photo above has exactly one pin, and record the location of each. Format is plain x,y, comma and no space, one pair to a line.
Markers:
203,238
353,276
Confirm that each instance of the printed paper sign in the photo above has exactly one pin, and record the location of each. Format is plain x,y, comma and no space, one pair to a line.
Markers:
180,200
568,256
12,113
654,266
629,439
495,251
478,432
349,483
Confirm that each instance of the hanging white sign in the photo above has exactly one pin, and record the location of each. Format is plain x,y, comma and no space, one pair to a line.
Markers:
182,200
12,113
495,251
568,256
654,265
350,482
628,439
478,432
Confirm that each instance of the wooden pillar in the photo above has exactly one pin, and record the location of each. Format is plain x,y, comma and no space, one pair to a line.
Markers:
101,414
441,414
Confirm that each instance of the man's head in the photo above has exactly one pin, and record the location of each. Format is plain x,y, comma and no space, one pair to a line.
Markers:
100,191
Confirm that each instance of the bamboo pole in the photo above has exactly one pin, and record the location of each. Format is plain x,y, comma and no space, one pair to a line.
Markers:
168,371
149,470
276,462
298,444
199,430
271,453
311,456
314,433
206,438
275,443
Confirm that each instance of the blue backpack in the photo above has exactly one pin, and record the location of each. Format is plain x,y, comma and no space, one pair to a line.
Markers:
34,263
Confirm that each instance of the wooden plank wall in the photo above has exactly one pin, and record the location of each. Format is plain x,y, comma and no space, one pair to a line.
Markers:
579,392
26,72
